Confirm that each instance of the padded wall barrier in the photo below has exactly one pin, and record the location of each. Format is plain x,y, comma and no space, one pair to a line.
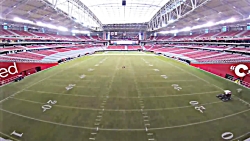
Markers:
23,68
222,69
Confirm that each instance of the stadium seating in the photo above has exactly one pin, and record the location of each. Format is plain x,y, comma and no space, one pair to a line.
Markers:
116,47
212,54
5,33
245,34
40,53
228,34
22,33
133,47
206,36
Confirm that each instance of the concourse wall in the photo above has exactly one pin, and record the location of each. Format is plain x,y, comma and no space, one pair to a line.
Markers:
222,69
25,68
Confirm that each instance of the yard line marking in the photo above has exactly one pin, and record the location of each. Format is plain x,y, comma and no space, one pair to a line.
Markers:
105,97
164,87
9,137
117,110
76,95
44,79
240,136
92,138
203,79
166,81
185,71
75,86
69,80
106,129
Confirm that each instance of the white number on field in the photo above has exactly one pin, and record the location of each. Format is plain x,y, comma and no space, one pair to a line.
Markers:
49,105
227,135
70,86
16,134
199,108
177,87
164,76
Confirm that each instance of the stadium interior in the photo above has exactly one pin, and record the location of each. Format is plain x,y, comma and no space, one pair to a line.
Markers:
127,70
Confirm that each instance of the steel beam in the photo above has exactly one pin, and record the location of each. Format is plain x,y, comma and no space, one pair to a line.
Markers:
14,6
76,10
173,11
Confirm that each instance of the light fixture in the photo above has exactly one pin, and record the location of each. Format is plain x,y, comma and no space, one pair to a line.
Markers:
231,20
62,28
170,21
186,29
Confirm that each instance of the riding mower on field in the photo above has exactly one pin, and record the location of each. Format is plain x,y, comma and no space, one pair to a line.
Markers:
226,96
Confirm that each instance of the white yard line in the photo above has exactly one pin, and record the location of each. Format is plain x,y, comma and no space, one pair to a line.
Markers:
105,99
166,81
67,80
106,129
76,86
9,137
163,87
241,136
76,95
43,80
203,80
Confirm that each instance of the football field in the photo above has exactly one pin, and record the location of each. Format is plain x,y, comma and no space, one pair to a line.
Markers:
152,99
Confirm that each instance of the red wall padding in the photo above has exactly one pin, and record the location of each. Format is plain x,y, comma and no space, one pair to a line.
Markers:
222,69
21,67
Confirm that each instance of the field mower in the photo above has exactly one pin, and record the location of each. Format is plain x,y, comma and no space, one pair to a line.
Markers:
226,96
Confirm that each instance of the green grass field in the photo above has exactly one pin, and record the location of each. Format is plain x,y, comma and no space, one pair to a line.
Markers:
114,104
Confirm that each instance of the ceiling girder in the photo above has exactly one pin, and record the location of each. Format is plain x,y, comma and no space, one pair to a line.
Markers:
173,11
13,7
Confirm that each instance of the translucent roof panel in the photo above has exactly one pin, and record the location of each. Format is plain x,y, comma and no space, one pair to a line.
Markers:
135,11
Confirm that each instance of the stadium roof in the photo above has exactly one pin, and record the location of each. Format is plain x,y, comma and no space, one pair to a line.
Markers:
197,14
135,11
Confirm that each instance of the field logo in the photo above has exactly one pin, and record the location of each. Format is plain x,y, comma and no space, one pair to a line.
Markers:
237,70
4,72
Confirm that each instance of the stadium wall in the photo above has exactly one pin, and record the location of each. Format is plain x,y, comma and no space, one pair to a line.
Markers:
221,69
24,68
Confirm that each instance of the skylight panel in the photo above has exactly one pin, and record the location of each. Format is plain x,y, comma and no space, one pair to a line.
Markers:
135,11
